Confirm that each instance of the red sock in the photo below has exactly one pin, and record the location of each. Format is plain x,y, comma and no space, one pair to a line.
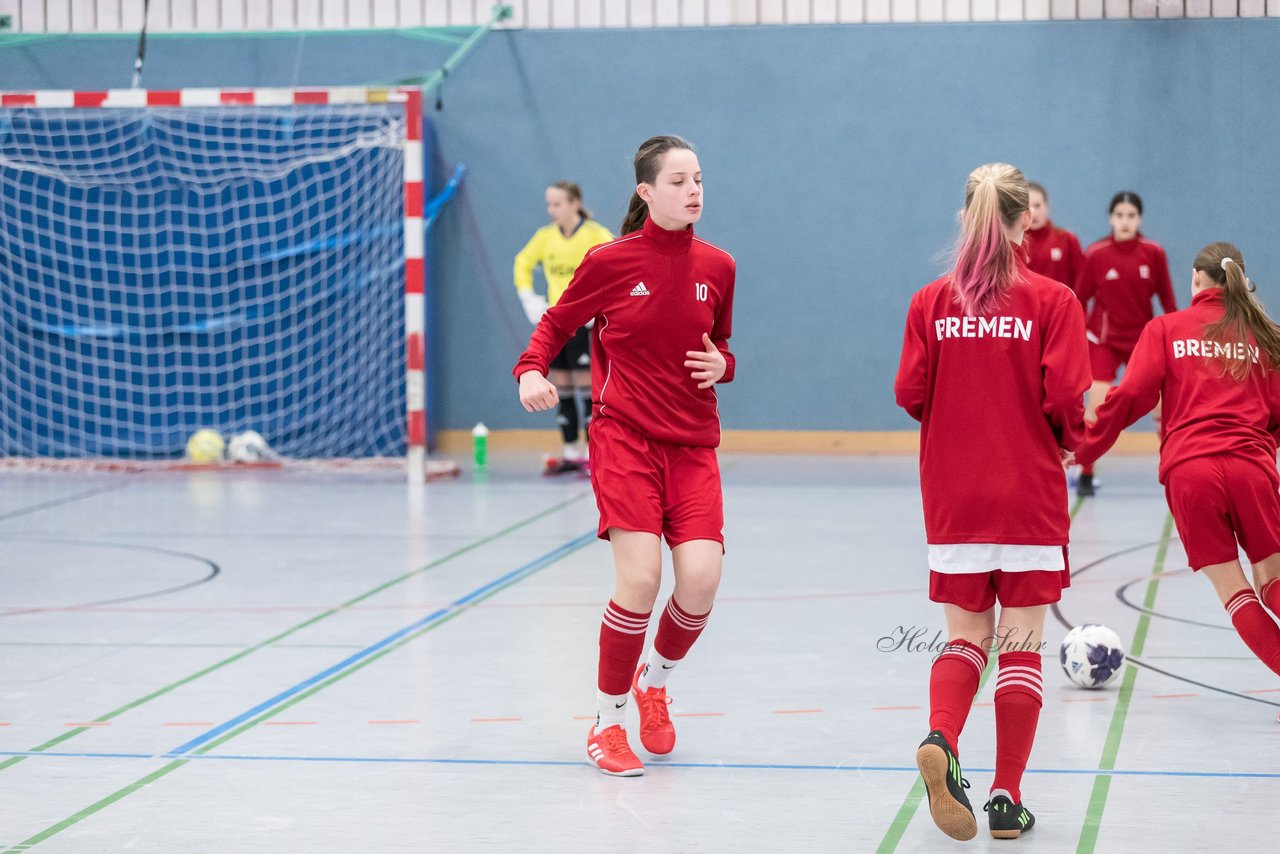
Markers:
1270,595
677,630
1256,627
1019,696
1087,469
952,684
621,642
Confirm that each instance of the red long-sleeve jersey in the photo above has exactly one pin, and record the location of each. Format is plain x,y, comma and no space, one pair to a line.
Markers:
1053,252
1120,277
1205,411
652,294
996,397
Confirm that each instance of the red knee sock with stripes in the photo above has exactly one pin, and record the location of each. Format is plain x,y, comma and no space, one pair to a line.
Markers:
677,630
1256,627
1019,696
1270,595
952,685
621,642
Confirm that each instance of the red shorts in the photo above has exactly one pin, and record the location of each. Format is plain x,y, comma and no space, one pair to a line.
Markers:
641,484
1219,500
979,591
1106,359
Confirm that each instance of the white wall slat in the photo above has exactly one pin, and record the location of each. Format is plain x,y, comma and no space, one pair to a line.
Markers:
236,15
878,11
1009,10
903,11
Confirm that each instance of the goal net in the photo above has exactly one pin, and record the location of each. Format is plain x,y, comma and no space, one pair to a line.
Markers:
176,261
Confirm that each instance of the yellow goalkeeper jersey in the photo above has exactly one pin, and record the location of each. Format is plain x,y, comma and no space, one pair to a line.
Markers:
558,255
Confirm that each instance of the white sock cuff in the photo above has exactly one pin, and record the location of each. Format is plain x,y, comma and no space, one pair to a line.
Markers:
611,709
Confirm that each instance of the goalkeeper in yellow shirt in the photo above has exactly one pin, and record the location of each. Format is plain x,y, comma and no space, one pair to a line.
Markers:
559,248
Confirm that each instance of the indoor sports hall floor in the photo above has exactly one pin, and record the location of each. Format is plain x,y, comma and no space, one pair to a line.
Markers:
279,662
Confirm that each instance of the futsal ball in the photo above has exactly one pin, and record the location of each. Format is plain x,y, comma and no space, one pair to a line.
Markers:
205,446
250,447
1092,655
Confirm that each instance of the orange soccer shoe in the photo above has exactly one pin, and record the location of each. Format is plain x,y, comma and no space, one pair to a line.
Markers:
656,732
608,750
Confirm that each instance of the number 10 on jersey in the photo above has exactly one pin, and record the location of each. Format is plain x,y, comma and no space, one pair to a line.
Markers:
700,292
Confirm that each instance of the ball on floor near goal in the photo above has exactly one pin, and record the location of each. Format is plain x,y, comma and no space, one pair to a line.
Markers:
250,447
205,446
1092,655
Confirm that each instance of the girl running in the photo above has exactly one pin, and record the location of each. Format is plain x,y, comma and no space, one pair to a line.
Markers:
662,300
994,367
559,249
1121,273
1051,251
1214,366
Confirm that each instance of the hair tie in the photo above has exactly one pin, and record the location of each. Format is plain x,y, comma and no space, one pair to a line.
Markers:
1226,261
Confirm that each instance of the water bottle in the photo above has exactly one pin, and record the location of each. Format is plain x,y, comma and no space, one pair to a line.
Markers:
480,444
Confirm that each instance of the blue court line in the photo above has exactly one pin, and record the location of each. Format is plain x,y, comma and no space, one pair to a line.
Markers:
528,568
563,763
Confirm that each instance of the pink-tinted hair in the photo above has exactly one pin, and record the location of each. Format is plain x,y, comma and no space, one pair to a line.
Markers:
986,265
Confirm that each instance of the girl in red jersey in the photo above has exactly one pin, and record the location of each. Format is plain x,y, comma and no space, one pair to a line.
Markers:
1051,251
662,301
994,367
1121,274
1214,366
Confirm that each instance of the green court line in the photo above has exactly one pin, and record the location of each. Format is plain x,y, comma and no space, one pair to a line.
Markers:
165,770
160,692
902,819
1102,783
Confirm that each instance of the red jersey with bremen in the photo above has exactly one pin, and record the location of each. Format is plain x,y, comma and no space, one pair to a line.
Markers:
1120,277
1053,252
996,396
652,294
1205,411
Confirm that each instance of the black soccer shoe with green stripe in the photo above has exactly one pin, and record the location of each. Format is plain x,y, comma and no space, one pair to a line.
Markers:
1006,819
945,785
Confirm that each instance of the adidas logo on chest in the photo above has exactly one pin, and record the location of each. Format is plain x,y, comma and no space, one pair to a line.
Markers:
1112,274
640,290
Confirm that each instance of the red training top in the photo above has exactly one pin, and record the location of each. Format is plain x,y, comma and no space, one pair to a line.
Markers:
1053,252
1205,411
996,396
1121,277
652,293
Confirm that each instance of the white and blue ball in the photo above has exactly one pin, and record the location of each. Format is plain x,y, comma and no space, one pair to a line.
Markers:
1092,655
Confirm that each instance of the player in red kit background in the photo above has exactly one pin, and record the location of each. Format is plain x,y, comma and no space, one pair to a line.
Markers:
662,301
1214,366
994,367
1121,273
1051,251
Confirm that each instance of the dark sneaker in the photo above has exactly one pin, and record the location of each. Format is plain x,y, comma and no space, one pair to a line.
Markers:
1084,486
945,785
1006,819
552,466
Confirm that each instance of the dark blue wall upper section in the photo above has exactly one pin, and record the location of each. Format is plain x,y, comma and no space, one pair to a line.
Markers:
834,157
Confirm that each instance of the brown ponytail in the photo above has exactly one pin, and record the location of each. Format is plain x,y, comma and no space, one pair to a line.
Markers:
1224,264
648,163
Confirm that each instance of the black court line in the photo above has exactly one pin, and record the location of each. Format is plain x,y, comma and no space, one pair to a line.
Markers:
58,502
214,570
1122,592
